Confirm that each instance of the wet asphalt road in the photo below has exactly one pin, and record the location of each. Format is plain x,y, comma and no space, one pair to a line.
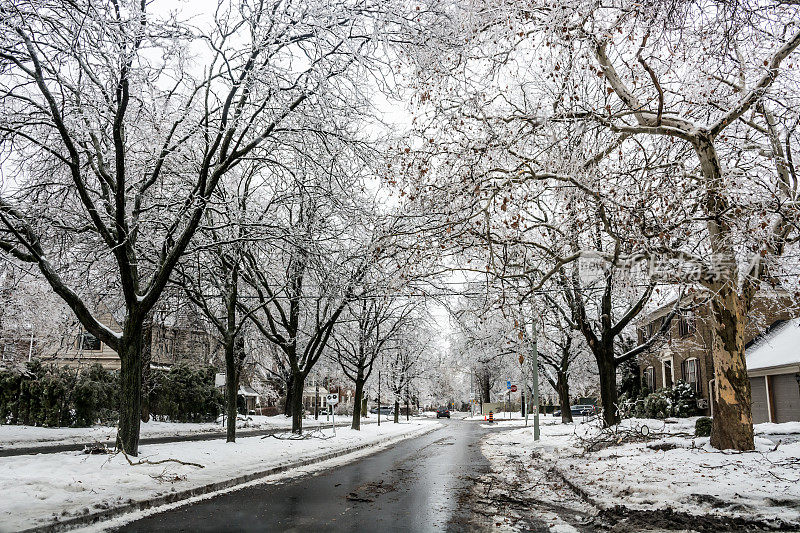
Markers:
415,485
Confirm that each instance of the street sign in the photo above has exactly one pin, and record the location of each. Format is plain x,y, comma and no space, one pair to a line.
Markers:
513,388
508,384
332,400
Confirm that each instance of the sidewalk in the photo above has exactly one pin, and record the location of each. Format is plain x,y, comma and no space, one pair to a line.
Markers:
66,490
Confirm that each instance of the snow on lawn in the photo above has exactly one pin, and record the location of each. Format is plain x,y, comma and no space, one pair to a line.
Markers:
31,436
24,436
66,484
692,477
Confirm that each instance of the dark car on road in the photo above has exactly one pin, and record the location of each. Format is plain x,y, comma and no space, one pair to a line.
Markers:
385,410
579,410
443,411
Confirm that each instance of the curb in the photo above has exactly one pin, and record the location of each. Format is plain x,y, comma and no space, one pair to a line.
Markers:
173,497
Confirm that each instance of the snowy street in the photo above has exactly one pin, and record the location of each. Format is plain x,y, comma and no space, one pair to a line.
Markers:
391,266
88,484
421,484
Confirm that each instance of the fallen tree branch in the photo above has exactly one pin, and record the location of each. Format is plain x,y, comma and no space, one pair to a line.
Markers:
159,462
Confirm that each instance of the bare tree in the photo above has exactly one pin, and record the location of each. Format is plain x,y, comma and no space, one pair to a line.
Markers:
117,144
370,325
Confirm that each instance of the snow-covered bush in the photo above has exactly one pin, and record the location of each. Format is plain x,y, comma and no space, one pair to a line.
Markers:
48,395
656,405
680,400
702,428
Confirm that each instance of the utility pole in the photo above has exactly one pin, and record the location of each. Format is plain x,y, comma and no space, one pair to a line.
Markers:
379,397
316,400
408,407
535,363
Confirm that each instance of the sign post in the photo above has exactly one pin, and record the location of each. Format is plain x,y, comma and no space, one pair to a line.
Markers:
508,397
332,400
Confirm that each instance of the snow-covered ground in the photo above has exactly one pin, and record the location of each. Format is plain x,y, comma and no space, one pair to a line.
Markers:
47,486
692,477
32,436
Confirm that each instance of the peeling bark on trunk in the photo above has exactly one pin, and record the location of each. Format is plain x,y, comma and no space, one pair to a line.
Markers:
732,424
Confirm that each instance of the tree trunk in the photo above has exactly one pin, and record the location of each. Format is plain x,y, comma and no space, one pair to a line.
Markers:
396,411
231,389
297,404
563,398
608,390
130,403
732,425
486,388
357,403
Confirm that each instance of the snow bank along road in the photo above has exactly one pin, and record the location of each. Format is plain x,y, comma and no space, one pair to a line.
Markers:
69,487
673,481
24,440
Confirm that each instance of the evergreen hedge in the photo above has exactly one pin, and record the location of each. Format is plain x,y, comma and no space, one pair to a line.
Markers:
52,396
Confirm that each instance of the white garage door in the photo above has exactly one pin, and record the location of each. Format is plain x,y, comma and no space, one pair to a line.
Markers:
758,390
786,393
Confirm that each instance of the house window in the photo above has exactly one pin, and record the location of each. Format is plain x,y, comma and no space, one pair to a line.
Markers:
691,373
8,351
89,342
649,378
686,325
667,364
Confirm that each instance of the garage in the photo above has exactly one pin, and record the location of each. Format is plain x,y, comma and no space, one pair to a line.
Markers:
786,395
758,391
773,366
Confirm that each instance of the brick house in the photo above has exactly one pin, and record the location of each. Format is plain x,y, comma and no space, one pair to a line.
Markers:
169,344
685,352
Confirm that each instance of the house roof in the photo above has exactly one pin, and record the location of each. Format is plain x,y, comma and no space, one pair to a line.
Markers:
778,346
247,391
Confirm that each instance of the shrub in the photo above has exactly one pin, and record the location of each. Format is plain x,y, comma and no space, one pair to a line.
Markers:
40,395
656,405
185,393
702,428
679,400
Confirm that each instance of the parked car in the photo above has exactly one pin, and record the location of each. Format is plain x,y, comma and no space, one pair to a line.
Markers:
579,410
443,411
385,410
